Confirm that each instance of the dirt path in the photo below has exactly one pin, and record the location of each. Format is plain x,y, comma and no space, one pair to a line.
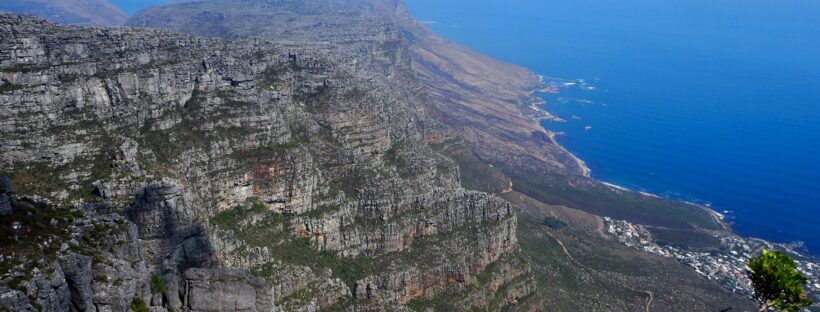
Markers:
566,251
563,247
600,227
651,297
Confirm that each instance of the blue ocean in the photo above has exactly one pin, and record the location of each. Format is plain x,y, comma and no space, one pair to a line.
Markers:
714,102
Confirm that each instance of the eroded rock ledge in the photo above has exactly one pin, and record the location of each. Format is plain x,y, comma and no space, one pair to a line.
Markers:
288,163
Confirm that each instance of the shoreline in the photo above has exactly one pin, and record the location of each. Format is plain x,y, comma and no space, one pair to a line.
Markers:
542,87
585,171
718,217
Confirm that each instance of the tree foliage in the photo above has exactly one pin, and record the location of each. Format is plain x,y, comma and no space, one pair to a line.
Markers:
777,282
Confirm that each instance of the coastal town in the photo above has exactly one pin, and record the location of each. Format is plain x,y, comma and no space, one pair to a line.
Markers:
727,266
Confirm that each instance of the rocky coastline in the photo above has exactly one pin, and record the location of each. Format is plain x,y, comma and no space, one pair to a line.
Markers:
727,265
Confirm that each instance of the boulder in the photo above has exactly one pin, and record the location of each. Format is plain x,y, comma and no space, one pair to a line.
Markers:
212,290
78,275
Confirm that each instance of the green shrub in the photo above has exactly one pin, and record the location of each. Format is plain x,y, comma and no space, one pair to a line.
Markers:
101,278
157,285
228,219
139,305
553,223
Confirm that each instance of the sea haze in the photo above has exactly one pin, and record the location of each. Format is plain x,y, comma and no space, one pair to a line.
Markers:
715,102
133,6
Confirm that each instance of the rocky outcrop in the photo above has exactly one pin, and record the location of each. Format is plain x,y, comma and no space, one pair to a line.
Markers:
169,237
59,259
78,275
358,33
295,163
226,290
5,196
99,263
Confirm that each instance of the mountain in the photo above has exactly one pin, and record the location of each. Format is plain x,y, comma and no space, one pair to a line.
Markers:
77,12
279,160
308,155
486,101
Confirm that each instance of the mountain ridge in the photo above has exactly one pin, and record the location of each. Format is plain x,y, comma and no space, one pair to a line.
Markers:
304,153
486,101
279,160
77,12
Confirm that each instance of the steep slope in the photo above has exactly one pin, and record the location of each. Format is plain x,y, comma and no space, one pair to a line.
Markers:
484,102
489,102
284,160
580,267
72,259
77,12
343,29
491,105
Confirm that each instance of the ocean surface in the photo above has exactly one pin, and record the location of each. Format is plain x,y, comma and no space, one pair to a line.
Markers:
713,102
133,6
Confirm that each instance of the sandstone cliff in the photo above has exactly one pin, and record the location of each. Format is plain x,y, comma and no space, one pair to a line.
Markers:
486,101
298,165
83,259
485,104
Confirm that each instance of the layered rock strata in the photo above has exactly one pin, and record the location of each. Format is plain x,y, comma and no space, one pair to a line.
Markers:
282,160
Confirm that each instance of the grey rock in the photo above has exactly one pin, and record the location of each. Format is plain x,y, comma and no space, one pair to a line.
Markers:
103,190
226,290
14,300
309,136
168,235
50,292
6,192
78,276
5,185
156,300
126,158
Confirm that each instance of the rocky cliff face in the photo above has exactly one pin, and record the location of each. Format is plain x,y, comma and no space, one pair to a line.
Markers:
279,159
83,259
355,32
487,105
491,132
487,101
